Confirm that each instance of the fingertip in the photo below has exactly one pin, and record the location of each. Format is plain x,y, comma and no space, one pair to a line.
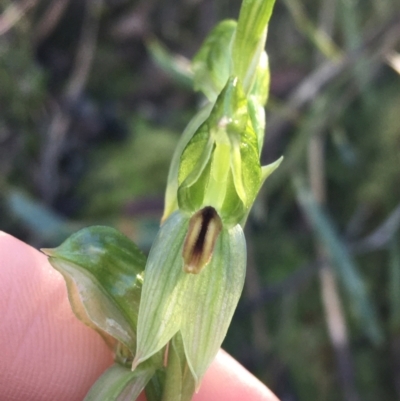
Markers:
47,353
226,379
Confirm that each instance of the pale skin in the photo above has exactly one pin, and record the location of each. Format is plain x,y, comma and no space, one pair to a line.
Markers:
47,354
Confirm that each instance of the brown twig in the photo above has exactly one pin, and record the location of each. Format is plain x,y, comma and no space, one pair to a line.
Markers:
13,14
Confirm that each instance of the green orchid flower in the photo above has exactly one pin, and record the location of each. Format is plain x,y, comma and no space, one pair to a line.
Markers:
198,306
196,268
166,324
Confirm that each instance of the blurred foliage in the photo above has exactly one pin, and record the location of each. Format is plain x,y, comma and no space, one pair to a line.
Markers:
105,128
149,150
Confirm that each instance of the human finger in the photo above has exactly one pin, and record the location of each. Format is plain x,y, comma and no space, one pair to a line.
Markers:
47,354
228,380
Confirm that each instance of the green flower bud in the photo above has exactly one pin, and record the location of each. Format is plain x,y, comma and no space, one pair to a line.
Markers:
249,42
171,193
212,63
219,166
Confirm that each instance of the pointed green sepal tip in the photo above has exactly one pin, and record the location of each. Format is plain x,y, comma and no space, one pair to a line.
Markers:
267,170
199,306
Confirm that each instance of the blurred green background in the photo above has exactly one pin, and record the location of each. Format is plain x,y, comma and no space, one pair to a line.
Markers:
93,97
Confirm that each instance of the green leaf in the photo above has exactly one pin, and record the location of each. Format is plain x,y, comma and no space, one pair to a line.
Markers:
162,298
250,39
102,269
119,384
210,300
212,64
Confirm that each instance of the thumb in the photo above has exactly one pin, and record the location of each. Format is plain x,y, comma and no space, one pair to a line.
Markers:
47,354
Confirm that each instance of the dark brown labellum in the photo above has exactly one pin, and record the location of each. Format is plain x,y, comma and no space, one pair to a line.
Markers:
204,228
